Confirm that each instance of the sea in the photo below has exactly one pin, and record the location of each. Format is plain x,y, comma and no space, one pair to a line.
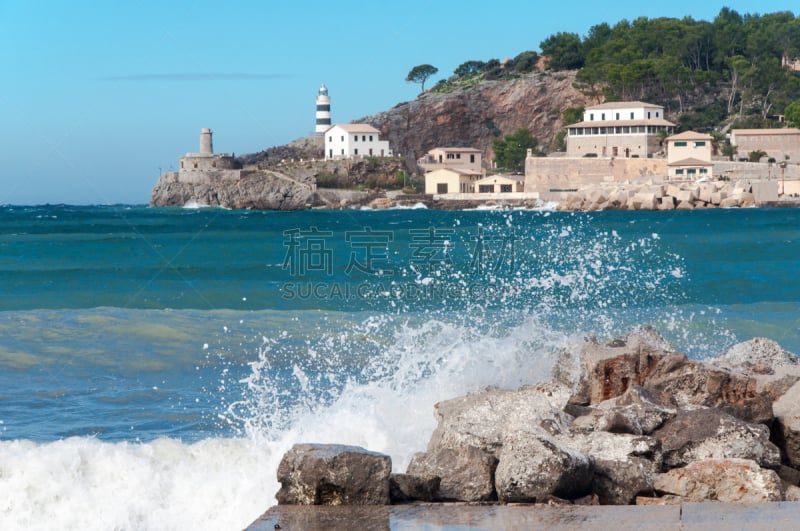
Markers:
156,363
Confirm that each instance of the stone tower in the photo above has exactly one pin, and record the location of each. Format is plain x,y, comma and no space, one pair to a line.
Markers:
206,146
323,111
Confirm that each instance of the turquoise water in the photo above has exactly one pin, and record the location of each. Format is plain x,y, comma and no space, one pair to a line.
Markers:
142,345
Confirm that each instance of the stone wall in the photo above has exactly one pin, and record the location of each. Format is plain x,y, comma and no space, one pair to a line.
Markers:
640,145
543,174
200,162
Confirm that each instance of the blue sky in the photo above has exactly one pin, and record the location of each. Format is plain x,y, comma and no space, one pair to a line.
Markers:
96,98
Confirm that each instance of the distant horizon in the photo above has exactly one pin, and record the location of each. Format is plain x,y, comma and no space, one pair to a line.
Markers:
101,100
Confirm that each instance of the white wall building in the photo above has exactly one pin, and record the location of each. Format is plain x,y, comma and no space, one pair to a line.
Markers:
343,141
618,129
689,156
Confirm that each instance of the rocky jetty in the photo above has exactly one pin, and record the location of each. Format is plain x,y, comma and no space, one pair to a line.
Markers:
267,190
651,195
628,421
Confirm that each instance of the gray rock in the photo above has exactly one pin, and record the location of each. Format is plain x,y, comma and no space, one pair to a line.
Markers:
625,465
787,423
637,411
724,480
532,468
691,383
712,434
481,419
773,369
758,355
619,483
467,473
405,488
332,474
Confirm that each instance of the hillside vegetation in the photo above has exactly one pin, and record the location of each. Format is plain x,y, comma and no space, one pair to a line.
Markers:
706,74
734,68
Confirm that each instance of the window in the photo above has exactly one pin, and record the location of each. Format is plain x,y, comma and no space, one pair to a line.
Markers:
370,138
330,153
181,164
441,188
363,138
342,138
631,116
603,116
195,165
648,115
458,156
617,116
680,144
505,188
699,144
703,171
472,158
485,188
691,171
614,151
370,152
355,151
679,172
342,151
591,116
355,138
657,114
330,139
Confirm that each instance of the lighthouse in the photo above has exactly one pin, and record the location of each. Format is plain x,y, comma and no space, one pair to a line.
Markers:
323,111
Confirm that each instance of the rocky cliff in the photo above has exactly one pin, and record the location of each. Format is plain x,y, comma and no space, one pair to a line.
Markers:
470,116
473,116
267,190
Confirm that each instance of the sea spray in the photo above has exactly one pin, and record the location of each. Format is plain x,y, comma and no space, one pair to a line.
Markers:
167,340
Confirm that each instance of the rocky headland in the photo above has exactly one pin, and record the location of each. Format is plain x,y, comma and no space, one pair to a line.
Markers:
628,421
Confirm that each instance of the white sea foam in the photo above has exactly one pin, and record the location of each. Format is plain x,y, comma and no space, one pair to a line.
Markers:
83,483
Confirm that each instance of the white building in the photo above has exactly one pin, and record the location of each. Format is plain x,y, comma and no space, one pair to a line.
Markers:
344,141
618,129
689,156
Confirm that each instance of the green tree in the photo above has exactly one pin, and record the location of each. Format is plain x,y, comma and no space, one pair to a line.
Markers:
420,74
572,115
565,51
524,62
511,150
757,155
469,68
792,113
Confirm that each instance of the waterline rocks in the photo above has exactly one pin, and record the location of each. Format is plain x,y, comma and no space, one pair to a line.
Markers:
333,474
652,195
624,421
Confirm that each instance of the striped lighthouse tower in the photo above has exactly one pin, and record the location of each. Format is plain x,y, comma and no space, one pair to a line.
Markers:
323,111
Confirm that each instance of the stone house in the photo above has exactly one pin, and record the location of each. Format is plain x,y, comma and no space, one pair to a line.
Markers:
780,144
499,184
452,157
689,156
624,129
452,181
344,141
